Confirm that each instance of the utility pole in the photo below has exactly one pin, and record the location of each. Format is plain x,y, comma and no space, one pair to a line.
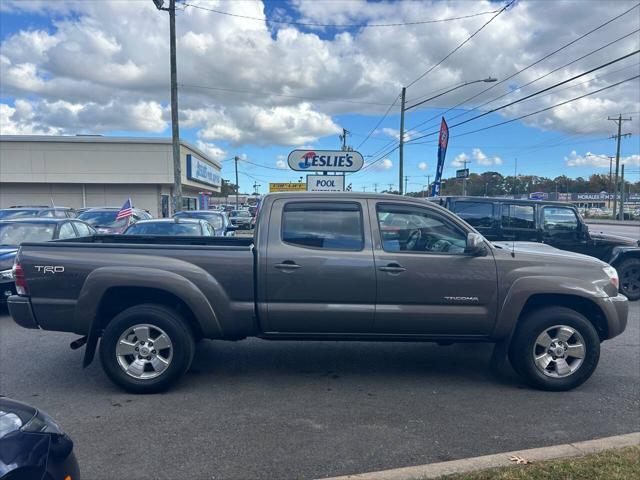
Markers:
364,189
464,179
175,130
255,187
375,187
236,158
618,137
391,187
426,193
343,138
406,180
401,151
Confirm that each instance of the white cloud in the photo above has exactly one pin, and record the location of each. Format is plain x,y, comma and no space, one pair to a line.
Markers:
281,162
212,150
482,159
91,58
460,159
423,166
597,160
382,165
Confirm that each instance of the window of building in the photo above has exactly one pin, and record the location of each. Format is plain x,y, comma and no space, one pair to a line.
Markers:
518,216
327,225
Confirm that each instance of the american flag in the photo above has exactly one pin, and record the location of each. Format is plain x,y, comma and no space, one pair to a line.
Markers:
126,210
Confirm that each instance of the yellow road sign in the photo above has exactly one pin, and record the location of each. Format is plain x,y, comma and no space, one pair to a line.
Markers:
287,187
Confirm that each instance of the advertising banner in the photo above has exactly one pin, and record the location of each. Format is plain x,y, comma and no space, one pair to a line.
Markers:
287,187
325,161
325,183
443,141
201,172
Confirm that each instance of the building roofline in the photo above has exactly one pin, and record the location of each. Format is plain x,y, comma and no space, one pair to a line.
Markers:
105,139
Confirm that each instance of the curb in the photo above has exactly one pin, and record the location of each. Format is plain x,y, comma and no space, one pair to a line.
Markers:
435,470
615,223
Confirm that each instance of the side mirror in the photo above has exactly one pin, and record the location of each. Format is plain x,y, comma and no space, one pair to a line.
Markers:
475,245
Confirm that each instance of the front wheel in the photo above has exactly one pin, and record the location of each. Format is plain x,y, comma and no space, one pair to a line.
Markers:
629,272
555,348
146,348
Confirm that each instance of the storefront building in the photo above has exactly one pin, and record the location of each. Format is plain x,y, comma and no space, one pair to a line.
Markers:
96,171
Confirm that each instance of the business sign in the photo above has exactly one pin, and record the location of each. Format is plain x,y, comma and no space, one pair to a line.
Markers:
325,183
538,196
287,187
325,161
464,173
202,172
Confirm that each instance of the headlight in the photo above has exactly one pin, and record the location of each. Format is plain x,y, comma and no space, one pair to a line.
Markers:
612,273
42,423
6,275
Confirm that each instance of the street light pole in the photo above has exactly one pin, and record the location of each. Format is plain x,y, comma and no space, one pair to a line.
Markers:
175,130
404,108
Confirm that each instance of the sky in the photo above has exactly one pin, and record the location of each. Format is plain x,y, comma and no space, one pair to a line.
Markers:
259,79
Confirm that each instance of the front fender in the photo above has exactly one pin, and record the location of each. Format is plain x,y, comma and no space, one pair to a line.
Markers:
104,278
525,287
620,253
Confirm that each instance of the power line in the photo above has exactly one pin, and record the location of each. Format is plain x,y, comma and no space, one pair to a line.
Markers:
549,108
299,97
566,45
379,122
420,77
546,74
331,25
535,93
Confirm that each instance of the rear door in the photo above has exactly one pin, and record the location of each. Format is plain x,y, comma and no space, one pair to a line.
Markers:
480,215
427,284
320,276
518,222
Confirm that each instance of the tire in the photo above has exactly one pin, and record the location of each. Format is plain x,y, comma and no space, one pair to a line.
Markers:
629,273
161,360
564,367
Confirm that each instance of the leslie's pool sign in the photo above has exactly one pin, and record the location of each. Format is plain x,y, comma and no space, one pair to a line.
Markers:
325,161
325,183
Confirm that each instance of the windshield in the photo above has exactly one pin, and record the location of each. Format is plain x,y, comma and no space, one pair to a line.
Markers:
17,212
215,219
240,213
17,233
104,218
165,228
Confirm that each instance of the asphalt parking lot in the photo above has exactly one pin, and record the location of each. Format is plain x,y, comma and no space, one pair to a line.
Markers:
259,409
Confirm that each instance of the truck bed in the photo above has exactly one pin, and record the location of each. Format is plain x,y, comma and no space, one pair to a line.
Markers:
163,240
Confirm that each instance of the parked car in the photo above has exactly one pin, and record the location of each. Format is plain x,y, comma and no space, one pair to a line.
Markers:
339,266
216,218
48,212
16,231
241,218
192,227
33,446
554,223
103,219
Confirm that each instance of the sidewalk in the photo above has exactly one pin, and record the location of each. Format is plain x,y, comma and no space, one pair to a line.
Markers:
435,470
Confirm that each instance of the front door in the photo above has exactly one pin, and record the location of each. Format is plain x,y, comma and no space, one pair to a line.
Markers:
320,276
561,229
427,284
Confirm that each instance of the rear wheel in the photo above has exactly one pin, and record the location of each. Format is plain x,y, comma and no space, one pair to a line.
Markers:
629,272
555,348
146,348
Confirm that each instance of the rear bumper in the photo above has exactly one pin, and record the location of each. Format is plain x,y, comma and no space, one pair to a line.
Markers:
616,311
21,311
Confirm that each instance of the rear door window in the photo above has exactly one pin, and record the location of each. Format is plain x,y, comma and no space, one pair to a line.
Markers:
67,231
324,225
518,216
476,214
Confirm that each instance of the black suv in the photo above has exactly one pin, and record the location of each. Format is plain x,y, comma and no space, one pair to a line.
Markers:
554,223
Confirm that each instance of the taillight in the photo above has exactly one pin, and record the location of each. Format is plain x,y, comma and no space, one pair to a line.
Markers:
18,277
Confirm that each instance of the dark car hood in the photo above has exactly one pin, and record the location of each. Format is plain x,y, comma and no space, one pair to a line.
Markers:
613,240
7,255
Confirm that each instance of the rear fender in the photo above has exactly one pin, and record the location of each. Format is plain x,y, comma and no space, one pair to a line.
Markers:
104,278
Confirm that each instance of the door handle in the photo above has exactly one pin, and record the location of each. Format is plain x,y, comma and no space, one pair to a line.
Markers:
393,268
287,265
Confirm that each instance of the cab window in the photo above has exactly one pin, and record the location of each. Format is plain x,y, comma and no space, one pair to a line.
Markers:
324,225
408,229
476,214
559,218
518,216
66,231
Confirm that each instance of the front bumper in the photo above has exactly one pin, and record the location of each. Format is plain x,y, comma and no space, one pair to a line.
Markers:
21,311
616,312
